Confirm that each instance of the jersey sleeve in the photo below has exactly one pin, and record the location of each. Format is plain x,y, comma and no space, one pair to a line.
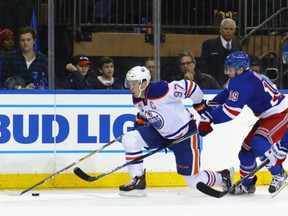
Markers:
221,96
224,113
233,99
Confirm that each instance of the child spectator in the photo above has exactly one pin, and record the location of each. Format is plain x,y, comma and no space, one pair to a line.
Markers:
80,75
107,79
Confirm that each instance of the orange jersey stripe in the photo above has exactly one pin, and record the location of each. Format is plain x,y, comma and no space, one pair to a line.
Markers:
190,88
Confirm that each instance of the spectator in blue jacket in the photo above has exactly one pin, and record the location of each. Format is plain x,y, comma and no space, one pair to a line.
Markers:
80,75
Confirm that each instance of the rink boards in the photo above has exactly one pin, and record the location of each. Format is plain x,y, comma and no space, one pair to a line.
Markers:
44,131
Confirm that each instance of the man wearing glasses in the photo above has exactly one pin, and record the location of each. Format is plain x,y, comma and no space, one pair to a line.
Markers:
187,64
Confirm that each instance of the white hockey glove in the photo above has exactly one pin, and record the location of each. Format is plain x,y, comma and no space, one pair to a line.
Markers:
276,155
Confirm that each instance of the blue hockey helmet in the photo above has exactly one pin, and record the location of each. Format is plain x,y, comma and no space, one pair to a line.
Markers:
236,60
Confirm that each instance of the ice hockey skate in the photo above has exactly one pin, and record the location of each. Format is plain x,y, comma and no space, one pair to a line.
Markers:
241,189
134,188
227,178
278,183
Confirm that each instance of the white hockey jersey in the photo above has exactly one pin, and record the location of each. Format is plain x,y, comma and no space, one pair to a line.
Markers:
164,109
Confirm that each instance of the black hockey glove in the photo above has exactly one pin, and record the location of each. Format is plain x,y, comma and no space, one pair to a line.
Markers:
140,121
205,106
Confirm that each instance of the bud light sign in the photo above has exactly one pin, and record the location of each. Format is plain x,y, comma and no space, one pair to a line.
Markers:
37,120
41,126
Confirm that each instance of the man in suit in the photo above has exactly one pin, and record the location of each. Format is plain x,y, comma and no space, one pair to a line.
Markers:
215,51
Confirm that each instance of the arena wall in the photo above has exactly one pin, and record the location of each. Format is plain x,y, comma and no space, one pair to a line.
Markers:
44,131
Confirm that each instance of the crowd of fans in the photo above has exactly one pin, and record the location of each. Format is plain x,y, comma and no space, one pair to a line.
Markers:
23,67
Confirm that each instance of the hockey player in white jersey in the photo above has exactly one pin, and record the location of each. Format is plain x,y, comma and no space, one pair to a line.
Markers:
162,118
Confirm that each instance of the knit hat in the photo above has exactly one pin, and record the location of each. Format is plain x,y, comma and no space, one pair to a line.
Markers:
4,33
81,60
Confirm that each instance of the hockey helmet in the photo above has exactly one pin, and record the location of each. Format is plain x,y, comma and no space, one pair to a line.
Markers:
138,73
236,60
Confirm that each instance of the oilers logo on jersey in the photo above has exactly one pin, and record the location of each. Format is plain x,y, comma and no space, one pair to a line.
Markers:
155,119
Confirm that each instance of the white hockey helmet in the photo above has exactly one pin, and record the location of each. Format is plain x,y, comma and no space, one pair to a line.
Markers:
138,73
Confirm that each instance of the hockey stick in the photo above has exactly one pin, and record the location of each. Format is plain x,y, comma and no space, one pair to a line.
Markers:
72,164
81,174
218,194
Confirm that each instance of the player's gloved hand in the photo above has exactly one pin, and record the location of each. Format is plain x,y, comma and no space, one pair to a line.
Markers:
276,155
140,121
204,126
212,104
205,106
201,107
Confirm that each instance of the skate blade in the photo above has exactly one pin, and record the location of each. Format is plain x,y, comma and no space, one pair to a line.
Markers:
133,193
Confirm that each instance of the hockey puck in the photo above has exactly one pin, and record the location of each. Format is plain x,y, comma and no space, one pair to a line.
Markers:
35,194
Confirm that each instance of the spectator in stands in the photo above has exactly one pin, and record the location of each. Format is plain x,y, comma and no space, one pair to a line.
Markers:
80,76
187,64
23,61
215,51
255,63
107,80
7,43
150,65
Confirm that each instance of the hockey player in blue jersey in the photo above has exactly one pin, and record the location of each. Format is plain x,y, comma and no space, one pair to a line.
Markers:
160,105
249,88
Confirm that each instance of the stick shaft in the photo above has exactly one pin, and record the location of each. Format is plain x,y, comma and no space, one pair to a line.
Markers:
72,164
81,174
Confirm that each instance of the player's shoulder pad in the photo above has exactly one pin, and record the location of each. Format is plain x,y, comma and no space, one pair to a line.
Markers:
244,82
157,89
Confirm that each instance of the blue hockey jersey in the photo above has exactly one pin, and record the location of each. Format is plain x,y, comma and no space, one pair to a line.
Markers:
251,89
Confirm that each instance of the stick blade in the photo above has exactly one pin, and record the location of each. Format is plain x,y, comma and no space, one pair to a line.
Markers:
81,174
210,191
11,193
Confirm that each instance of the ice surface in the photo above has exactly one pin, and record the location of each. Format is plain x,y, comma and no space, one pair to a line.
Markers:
163,201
